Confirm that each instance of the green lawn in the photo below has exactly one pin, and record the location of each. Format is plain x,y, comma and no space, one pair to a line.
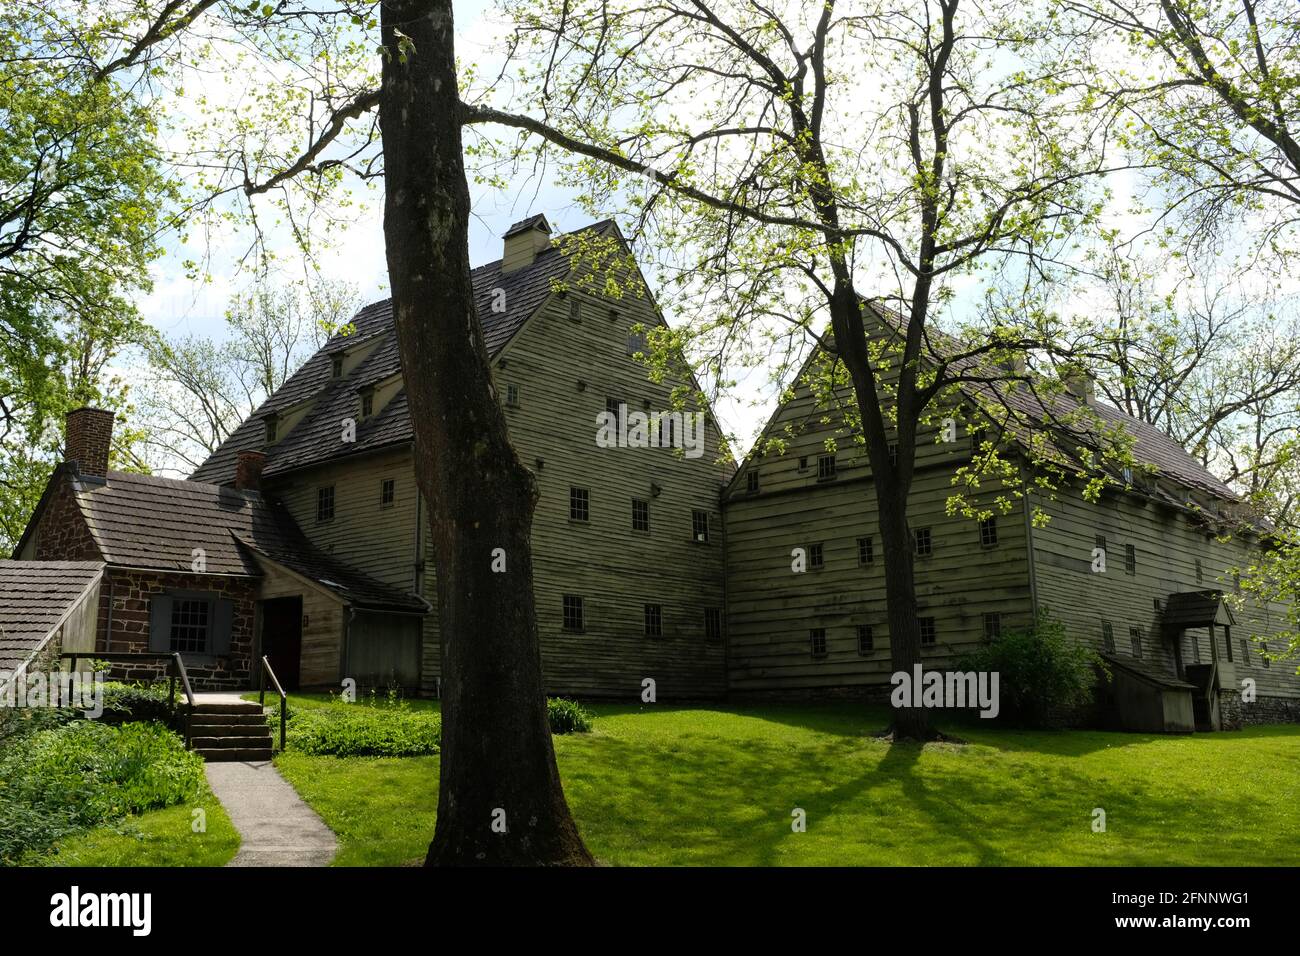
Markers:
661,785
158,838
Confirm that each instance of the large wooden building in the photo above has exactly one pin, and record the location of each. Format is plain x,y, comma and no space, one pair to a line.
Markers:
303,536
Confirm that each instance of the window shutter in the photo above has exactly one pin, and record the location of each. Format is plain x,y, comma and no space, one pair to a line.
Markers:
160,623
222,614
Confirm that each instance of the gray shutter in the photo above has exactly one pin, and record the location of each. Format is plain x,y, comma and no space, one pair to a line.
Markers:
160,623
219,637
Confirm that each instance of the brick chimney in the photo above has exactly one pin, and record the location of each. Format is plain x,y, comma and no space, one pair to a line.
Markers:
89,436
248,470
524,241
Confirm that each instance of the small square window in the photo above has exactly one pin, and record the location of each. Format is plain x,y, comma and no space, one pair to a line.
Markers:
512,396
640,515
992,625
617,408
367,404
189,625
817,641
325,503
712,624
866,553
579,504
816,556
803,462
989,532
865,642
574,613
1135,640
387,492
636,342
700,525
751,481
1130,559
924,542
1101,542
654,620
825,467
575,310
929,633
1108,637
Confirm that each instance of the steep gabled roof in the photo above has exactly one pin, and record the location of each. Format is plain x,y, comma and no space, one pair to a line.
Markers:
35,598
315,439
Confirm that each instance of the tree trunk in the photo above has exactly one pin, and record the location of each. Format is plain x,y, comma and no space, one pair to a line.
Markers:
500,800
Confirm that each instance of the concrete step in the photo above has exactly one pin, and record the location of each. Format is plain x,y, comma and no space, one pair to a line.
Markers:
221,754
227,707
232,720
226,743
229,730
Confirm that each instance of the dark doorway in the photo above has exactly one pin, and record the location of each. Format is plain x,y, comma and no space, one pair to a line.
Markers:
282,638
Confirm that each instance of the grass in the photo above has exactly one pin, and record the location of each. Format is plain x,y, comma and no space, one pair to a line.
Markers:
156,838
686,786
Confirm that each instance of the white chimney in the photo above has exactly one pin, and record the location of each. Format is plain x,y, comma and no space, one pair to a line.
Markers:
524,241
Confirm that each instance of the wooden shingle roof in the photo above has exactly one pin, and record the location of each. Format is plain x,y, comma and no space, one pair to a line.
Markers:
316,438
35,597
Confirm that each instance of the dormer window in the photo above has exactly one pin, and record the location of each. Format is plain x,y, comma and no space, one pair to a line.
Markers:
272,426
367,404
336,367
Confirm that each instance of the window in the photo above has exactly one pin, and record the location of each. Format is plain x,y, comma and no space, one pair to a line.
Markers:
325,503
924,542
654,620
1227,641
816,556
803,462
992,625
579,504
575,310
700,525
512,396
1236,582
865,643
751,481
825,467
668,430
615,407
636,342
977,437
1263,654
1157,605
1200,572
640,515
712,624
336,366
893,454
189,627
928,631
1135,640
1101,543
1245,654
271,426
1130,559
1108,637
1196,648
989,532
387,492
817,641
367,404
574,616
865,552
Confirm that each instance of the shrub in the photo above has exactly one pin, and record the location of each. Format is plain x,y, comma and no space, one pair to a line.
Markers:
86,773
136,702
1042,672
370,729
567,716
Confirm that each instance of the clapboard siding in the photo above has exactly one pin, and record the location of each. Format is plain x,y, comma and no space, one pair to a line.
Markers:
323,629
563,372
1168,544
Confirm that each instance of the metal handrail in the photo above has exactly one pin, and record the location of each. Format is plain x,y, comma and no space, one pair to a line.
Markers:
175,669
284,698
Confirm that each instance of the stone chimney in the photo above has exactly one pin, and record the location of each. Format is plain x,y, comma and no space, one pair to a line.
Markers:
524,241
1080,383
248,470
89,436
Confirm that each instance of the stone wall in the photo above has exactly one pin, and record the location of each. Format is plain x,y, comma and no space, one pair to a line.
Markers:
63,534
124,600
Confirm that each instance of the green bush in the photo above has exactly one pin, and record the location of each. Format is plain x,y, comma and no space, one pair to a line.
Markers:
1042,672
567,716
136,702
371,729
86,773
